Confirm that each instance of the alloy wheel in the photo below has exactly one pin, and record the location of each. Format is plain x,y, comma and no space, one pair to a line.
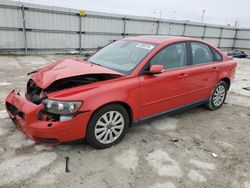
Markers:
109,127
219,95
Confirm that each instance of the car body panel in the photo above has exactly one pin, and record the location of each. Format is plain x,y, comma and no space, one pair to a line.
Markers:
142,94
200,81
66,68
159,92
62,131
125,89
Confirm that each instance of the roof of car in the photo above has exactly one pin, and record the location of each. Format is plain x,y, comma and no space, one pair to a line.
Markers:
159,39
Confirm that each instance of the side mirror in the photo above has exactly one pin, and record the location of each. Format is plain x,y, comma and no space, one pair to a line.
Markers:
155,69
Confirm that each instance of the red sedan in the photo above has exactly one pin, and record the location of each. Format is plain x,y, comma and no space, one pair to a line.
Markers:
124,83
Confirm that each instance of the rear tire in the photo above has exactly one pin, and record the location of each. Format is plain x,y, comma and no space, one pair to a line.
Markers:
107,126
218,96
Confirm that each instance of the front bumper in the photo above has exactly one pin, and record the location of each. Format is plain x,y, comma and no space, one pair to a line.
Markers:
25,115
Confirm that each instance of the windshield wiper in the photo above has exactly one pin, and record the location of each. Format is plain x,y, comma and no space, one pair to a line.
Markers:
96,64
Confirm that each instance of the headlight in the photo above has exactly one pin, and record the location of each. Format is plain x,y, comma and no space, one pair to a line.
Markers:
61,107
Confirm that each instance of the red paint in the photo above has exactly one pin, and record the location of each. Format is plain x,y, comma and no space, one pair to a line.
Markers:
67,68
145,95
156,69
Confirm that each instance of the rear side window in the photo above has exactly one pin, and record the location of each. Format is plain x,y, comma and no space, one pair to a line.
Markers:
217,56
172,56
201,53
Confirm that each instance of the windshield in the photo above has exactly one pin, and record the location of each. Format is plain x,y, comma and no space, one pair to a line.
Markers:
123,55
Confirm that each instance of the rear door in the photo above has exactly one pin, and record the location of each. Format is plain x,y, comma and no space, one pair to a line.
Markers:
202,72
167,90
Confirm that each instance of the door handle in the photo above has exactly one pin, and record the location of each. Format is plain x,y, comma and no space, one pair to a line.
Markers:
183,75
215,69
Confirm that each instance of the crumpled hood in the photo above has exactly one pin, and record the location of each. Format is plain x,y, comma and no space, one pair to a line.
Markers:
67,68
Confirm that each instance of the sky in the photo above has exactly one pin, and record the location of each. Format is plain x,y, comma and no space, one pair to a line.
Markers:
222,12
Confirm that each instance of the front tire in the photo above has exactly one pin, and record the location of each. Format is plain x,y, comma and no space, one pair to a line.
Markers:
218,96
107,126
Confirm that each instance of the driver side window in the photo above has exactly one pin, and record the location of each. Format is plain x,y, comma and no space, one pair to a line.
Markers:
172,56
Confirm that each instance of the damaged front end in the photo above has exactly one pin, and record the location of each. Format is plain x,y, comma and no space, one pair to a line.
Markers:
56,110
36,95
53,121
48,129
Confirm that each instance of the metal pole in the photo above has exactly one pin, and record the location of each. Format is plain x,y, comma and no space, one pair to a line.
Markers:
184,30
158,24
80,34
235,37
24,29
124,26
170,29
236,23
220,37
204,32
158,27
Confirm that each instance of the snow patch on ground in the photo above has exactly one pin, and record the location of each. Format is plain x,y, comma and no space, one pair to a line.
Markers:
238,100
1,150
33,60
201,164
50,176
195,175
2,84
46,179
128,159
23,167
63,147
225,144
3,131
29,142
6,124
146,126
19,140
38,62
168,123
3,114
164,165
41,147
167,184
5,128
8,63
247,184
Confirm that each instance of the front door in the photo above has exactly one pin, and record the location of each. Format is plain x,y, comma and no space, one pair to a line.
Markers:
165,91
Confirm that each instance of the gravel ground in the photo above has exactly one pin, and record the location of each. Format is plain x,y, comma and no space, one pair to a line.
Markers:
195,148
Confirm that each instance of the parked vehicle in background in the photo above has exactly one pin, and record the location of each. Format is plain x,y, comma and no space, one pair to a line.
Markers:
124,83
237,54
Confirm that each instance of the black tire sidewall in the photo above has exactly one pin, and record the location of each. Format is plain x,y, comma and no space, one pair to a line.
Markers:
90,137
211,101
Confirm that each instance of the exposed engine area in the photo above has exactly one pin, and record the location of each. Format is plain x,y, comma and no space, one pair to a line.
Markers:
78,81
35,94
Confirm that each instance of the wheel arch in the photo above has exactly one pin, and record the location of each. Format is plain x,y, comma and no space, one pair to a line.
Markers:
123,104
227,81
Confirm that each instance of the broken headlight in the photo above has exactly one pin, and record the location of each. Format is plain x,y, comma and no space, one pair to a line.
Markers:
61,107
